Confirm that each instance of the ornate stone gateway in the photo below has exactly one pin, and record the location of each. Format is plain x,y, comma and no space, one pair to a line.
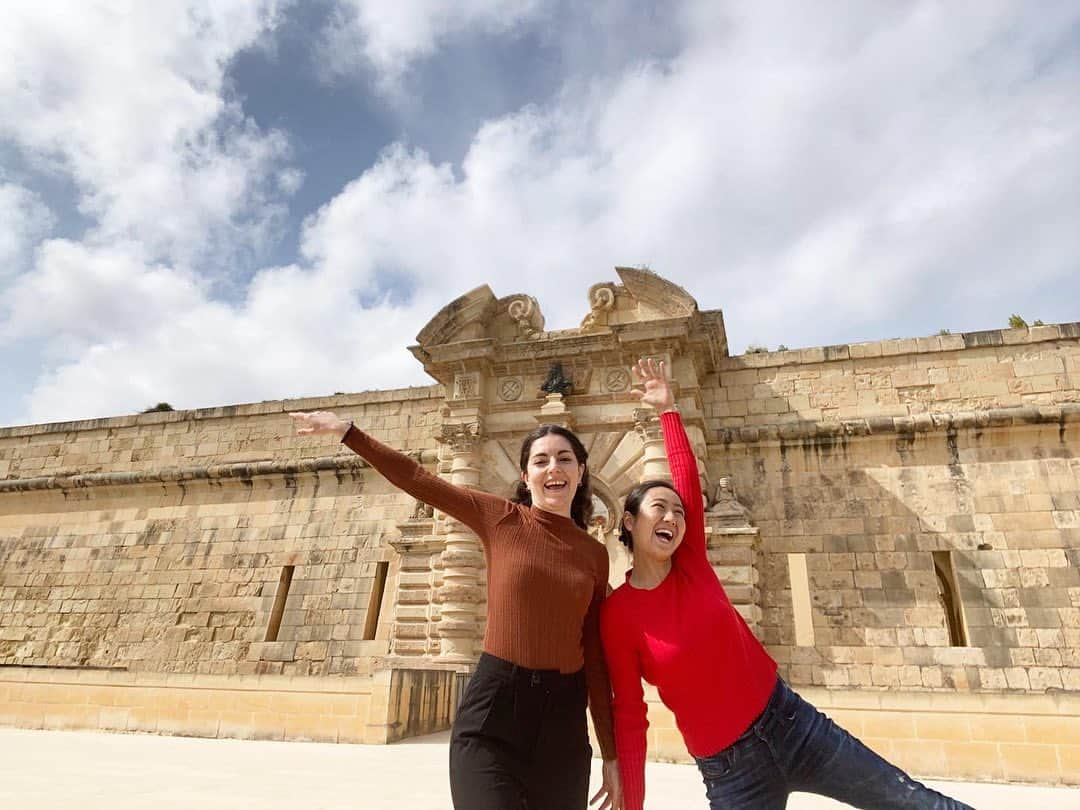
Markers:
503,375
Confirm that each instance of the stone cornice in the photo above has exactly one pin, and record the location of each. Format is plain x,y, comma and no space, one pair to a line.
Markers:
270,407
207,472
989,338
902,425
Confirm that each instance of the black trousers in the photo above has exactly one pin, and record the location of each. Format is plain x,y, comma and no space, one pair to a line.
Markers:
520,740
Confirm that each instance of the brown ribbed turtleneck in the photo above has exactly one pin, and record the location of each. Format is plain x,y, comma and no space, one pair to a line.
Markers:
546,577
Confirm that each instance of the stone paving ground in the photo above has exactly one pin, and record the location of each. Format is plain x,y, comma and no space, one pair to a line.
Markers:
49,770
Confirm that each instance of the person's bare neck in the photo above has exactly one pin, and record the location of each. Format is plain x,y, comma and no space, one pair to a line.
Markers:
649,572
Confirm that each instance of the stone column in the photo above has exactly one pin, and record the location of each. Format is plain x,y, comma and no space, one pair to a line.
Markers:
647,424
420,548
462,558
733,556
733,542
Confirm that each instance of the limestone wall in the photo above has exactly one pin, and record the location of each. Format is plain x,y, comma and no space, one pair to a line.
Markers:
867,513
250,434
869,458
978,370
376,708
997,737
165,554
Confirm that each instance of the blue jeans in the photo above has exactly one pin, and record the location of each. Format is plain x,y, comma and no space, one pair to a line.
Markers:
794,747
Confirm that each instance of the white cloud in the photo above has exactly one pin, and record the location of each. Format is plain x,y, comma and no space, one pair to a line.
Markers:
813,174
78,296
787,162
390,36
128,99
24,219
123,334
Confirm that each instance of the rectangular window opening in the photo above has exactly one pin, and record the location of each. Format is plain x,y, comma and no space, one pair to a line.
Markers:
949,595
800,600
378,587
279,603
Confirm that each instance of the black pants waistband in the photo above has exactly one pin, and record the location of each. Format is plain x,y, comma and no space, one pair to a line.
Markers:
551,679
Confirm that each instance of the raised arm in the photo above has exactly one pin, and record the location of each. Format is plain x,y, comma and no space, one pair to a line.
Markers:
684,475
627,703
681,459
477,510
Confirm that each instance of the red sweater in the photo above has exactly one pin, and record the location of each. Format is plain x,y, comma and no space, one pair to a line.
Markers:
546,577
685,637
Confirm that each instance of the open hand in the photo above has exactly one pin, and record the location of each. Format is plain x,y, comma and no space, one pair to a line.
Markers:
658,393
315,422
611,790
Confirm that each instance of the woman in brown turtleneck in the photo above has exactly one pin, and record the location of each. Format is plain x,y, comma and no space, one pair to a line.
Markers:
520,737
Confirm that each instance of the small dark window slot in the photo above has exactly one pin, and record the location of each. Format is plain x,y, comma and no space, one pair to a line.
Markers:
949,594
279,602
378,587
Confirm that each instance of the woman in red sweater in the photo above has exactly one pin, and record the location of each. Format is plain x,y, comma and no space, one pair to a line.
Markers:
520,738
754,739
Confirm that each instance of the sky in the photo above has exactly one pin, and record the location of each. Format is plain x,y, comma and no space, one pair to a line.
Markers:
208,202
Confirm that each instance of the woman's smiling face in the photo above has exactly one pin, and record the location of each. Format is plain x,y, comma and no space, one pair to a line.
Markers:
659,525
553,474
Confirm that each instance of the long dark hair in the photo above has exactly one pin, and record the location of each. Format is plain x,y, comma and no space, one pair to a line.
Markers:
581,507
633,504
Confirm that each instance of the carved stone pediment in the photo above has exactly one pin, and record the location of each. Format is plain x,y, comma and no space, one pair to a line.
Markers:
643,296
477,336
464,318
655,296
478,314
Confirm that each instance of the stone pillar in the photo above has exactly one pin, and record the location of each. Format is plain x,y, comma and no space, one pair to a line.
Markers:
654,460
462,558
732,552
415,620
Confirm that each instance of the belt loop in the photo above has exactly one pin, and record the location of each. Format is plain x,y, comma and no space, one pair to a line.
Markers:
535,680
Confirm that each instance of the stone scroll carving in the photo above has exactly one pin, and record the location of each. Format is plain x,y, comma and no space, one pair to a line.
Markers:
525,312
601,302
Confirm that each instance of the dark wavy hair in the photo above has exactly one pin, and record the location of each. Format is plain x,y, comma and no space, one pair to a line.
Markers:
633,504
581,508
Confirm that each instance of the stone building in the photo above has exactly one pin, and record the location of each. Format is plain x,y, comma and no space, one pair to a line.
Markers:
899,521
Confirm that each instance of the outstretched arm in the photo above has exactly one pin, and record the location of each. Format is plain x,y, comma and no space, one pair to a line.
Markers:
477,510
681,459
